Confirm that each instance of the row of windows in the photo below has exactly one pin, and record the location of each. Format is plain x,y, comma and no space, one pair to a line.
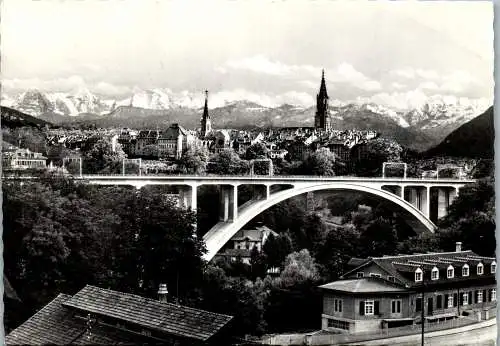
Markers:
29,163
466,298
371,307
338,324
450,271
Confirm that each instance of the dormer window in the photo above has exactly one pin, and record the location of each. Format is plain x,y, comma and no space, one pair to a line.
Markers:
480,269
493,267
465,270
450,272
418,275
434,273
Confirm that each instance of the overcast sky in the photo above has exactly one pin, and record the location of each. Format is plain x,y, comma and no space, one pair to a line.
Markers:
387,52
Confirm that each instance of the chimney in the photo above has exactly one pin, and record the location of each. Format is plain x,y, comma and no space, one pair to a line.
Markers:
162,293
458,246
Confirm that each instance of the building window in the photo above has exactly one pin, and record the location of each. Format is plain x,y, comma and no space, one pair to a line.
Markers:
337,306
373,275
360,274
450,272
465,299
493,267
338,324
494,295
369,307
439,302
465,270
434,274
450,301
479,298
418,304
480,269
418,275
396,306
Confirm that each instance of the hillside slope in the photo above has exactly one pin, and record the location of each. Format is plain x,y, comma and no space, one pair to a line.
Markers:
474,139
13,118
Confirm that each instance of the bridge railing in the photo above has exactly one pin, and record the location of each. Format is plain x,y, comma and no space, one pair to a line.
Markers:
6,175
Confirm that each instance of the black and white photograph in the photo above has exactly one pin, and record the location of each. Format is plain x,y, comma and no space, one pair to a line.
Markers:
235,172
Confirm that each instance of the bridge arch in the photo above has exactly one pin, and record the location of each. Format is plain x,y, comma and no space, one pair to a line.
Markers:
222,232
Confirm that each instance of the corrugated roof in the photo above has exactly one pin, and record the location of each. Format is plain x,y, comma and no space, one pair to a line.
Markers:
164,317
365,285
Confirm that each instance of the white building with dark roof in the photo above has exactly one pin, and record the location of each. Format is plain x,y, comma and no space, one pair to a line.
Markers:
393,291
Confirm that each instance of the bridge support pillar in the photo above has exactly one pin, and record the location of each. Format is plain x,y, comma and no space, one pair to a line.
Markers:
419,197
445,199
427,201
228,203
188,197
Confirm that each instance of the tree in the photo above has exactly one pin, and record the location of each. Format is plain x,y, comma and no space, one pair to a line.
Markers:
101,158
194,160
227,162
256,151
336,249
379,150
238,297
321,162
277,248
168,250
471,219
300,268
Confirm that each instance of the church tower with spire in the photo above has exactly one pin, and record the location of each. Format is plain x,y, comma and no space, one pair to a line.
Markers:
206,122
322,119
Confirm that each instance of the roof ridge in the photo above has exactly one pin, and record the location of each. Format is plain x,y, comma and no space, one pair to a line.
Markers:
151,299
422,254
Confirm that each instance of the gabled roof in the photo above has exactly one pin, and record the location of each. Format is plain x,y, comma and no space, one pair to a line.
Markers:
365,285
164,317
402,267
173,132
57,323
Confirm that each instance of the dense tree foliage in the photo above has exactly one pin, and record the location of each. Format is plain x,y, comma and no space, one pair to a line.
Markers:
379,150
103,157
256,151
193,161
60,236
321,162
227,162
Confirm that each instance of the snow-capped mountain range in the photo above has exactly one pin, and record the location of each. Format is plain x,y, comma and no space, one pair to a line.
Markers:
437,117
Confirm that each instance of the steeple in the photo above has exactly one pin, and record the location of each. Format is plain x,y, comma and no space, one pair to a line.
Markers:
206,123
321,120
322,89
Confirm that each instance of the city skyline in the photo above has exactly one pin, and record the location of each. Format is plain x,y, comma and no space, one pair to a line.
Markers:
116,48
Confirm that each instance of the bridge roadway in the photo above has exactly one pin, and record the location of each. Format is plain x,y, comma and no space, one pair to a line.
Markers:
174,179
410,196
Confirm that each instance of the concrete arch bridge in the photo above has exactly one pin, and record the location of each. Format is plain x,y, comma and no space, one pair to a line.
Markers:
411,196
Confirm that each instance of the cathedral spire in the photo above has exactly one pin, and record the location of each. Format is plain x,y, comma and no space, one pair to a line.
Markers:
322,89
321,120
206,123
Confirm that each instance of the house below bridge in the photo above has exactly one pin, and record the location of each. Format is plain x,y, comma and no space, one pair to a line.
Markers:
393,291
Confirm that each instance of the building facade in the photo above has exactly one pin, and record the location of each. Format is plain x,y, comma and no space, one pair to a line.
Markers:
394,291
20,159
241,244
174,141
